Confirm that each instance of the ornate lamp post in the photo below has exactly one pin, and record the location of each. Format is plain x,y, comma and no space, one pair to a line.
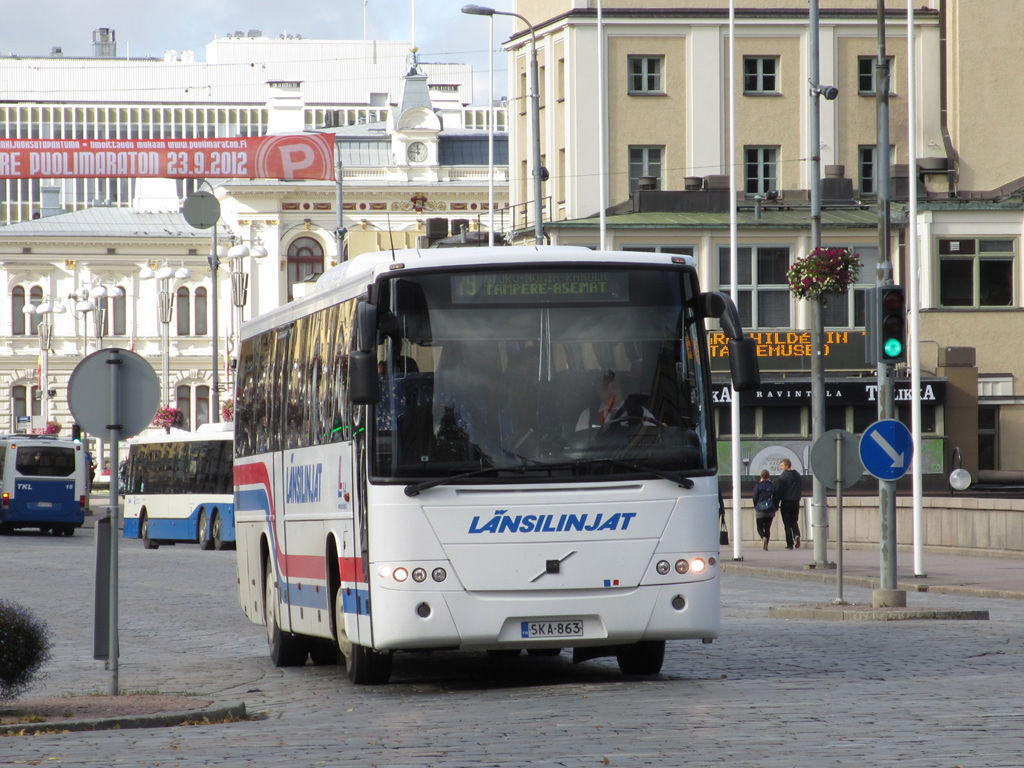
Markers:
165,310
240,284
44,330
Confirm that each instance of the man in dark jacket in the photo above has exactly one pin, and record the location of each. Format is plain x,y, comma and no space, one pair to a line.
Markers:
790,486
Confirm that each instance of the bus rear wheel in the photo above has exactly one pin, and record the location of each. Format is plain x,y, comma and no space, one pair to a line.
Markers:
205,542
643,658
286,649
217,527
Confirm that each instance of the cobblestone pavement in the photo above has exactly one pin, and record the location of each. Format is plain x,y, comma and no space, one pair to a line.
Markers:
917,694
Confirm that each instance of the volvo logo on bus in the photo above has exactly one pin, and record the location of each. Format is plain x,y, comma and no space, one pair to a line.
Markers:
304,483
502,522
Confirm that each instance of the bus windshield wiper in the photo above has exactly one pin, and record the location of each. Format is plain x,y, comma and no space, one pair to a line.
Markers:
414,489
674,477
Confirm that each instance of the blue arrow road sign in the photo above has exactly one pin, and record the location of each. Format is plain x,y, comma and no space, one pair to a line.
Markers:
886,449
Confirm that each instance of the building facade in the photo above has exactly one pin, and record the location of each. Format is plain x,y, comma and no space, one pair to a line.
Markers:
273,239
667,130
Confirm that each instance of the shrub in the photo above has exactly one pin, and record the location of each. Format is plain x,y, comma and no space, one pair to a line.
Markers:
24,648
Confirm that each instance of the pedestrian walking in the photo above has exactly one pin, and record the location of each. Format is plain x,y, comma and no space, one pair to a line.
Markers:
789,491
765,503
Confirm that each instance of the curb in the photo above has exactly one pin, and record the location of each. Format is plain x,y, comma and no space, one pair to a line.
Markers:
234,711
833,612
829,577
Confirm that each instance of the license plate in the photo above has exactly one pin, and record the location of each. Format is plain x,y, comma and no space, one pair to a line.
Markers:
558,628
44,504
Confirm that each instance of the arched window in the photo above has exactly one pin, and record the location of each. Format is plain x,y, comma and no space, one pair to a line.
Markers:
18,312
201,312
184,320
184,402
202,405
117,308
305,260
36,297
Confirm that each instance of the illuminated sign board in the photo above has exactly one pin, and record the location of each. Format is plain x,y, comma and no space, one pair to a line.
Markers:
792,350
555,286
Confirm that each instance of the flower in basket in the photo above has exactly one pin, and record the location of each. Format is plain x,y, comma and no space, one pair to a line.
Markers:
168,417
824,271
227,411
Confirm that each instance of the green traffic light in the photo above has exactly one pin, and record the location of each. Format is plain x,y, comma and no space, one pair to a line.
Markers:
892,348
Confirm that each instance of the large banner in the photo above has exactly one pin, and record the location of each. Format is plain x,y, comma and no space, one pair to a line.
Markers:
292,156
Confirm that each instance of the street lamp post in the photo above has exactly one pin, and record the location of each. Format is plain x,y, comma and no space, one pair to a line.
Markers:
539,173
44,330
165,310
240,284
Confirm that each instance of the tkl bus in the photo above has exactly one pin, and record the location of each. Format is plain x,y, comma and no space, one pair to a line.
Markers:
43,484
177,488
483,449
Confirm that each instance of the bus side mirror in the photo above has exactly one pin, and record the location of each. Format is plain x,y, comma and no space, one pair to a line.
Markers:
366,325
363,388
746,373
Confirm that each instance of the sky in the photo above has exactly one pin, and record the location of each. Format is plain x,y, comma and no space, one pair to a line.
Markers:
443,32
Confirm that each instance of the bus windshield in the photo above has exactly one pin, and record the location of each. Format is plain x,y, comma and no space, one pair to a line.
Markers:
558,371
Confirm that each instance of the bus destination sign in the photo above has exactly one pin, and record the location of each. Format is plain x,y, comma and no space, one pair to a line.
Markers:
561,286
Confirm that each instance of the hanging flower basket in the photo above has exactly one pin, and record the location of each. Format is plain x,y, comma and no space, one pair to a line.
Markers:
227,411
824,271
168,417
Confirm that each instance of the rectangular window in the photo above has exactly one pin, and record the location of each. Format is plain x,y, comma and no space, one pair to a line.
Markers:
645,162
988,436
866,74
867,168
764,298
760,169
760,74
977,273
645,74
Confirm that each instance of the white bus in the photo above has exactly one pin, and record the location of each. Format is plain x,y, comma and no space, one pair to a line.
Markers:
42,484
177,488
483,449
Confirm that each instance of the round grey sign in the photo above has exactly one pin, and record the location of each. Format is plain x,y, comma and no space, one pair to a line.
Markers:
824,455
90,387
201,210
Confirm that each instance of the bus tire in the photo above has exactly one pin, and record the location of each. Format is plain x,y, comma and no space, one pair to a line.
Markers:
216,526
203,532
366,666
643,658
286,649
68,530
147,543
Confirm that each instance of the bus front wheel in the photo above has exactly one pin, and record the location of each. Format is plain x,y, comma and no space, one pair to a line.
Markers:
203,534
368,667
286,649
643,658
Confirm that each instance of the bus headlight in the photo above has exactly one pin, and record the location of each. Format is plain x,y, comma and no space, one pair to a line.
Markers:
662,567
439,574
401,574
698,565
682,566
419,575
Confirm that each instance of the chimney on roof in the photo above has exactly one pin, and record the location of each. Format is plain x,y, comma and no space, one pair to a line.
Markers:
57,52
104,43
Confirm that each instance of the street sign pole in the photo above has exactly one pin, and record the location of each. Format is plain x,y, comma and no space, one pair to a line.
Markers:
114,363
127,383
839,520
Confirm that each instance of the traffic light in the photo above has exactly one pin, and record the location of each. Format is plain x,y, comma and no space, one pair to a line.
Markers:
892,324
76,433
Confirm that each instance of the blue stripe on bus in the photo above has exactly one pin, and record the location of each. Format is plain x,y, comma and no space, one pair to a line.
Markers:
184,528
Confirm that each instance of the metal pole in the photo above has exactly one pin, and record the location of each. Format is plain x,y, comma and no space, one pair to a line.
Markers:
215,389
886,488
538,191
114,427
819,501
839,519
490,130
734,404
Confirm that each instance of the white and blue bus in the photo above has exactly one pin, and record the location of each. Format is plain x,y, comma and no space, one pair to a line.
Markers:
483,449
177,488
43,484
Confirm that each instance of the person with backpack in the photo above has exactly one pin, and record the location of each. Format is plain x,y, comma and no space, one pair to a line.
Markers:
765,504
